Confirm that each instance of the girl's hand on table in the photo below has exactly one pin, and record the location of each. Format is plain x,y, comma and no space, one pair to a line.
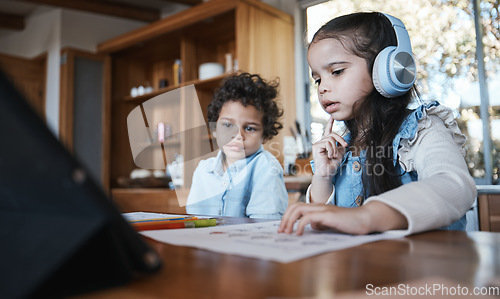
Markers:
371,217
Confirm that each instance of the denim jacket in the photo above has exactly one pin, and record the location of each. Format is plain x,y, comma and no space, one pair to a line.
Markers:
348,191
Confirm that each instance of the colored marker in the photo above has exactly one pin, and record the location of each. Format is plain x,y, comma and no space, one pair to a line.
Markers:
181,224
164,219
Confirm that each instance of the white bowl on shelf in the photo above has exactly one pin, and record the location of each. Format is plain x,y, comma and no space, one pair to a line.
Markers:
209,70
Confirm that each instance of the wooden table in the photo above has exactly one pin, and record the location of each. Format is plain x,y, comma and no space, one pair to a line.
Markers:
469,259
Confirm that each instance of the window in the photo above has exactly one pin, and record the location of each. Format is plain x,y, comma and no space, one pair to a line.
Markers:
443,35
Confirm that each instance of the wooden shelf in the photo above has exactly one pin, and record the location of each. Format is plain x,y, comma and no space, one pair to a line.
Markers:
211,83
181,20
172,142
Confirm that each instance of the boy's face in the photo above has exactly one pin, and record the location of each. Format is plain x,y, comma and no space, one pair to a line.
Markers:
239,130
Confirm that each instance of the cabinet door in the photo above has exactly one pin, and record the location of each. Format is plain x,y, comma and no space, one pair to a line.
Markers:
84,110
265,46
28,75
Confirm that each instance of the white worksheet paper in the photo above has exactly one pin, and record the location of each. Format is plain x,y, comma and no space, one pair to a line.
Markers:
261,240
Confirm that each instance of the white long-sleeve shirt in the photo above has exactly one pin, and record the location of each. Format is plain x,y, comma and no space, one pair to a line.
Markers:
445,191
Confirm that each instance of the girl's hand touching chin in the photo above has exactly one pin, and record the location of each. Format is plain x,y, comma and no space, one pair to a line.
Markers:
328,152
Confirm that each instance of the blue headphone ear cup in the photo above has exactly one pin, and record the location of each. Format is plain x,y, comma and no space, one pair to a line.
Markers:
394,69
381,74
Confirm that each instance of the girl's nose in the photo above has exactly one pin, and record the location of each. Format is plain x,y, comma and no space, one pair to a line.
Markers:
323,87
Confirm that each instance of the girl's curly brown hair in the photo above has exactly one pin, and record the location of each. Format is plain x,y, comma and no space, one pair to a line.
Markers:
250,89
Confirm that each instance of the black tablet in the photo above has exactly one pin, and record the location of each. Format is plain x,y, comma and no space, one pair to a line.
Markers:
60,234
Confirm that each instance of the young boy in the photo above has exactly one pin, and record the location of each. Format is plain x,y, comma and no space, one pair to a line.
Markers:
244,180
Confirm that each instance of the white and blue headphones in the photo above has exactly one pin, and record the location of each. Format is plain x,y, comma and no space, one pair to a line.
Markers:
394,69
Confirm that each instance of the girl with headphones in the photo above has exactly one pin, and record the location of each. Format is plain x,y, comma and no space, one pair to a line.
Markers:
393,168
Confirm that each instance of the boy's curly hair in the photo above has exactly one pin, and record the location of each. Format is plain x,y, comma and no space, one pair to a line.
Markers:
250,89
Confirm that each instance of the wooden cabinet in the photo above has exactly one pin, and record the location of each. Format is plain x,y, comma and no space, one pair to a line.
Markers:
258,37
489,211
28,76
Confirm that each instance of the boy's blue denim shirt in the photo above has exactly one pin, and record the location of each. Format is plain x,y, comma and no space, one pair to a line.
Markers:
252,187
348,191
